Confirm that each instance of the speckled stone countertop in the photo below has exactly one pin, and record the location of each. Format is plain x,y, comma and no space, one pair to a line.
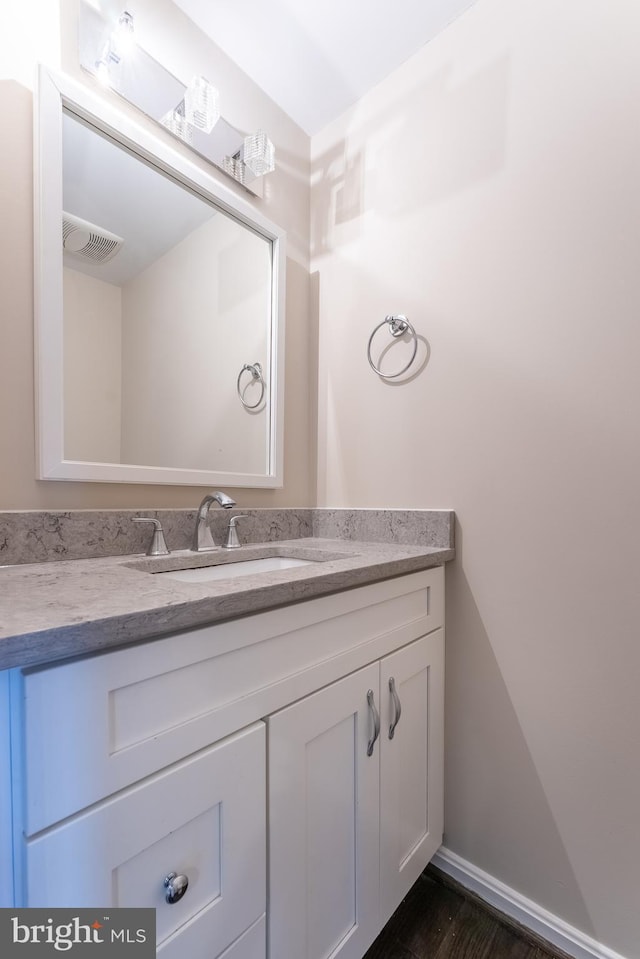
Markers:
51,611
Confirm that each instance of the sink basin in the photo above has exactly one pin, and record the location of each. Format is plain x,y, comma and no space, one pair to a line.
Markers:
205,574
188,567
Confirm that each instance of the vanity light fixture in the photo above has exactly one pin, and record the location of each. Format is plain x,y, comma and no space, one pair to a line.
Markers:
121,43
191,113
259,153
201,104
198,110
234,167
176,122
256,155
123,37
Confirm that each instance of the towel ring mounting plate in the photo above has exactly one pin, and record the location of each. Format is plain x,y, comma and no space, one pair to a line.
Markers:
398,325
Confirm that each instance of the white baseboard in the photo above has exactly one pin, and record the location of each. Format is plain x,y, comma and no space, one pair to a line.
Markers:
528,913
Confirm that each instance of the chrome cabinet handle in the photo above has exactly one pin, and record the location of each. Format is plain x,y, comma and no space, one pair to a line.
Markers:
176,887
397,708
376,722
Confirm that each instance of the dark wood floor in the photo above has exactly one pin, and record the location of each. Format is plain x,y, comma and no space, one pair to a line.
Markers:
439,920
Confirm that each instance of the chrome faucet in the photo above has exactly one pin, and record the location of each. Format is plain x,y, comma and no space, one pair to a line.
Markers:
157,546
202,538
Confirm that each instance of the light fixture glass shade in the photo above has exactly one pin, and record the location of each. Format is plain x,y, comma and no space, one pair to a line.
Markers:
259,153
123,37
201,102
234,167
176,122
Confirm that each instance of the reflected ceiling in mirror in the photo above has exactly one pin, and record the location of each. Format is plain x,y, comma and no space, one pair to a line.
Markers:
157,288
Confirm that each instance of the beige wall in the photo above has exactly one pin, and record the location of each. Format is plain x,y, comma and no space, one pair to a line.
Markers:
191,321
489,189
286,202
92,368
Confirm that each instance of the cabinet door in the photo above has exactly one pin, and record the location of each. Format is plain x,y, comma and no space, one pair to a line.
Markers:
203,818
323,823
252,944
411,773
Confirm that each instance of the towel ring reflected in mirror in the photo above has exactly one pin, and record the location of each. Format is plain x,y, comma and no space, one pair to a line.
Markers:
398,325
255,370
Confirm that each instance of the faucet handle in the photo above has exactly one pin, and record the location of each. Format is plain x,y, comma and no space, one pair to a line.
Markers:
232,541
157,546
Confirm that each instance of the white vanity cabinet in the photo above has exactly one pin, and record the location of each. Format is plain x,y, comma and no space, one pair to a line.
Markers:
202,819
155,758
355,802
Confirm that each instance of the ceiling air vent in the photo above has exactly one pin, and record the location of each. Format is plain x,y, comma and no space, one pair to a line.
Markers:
88,242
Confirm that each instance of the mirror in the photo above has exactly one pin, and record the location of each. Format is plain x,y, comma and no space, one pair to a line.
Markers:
159,308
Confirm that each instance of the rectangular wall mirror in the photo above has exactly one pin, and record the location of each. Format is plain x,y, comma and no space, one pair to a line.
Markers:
159,308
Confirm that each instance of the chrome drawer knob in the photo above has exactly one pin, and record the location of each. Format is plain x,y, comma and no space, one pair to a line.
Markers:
176,887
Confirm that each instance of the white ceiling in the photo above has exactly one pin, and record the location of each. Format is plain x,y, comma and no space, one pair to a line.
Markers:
316,59
112,189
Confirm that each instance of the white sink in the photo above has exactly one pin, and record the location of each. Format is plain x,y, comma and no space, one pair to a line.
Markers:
204,574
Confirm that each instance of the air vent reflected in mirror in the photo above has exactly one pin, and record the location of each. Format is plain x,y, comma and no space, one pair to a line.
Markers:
88,242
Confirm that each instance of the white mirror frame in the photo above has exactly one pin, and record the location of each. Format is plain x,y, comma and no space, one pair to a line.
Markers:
56,92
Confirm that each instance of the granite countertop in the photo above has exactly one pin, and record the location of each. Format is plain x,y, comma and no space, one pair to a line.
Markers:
52,611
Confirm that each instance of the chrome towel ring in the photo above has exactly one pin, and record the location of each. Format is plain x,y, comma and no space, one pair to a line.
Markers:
256,374
398,326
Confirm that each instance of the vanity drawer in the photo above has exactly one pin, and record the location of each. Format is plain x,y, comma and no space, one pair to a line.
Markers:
97,725
188,943
204,818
